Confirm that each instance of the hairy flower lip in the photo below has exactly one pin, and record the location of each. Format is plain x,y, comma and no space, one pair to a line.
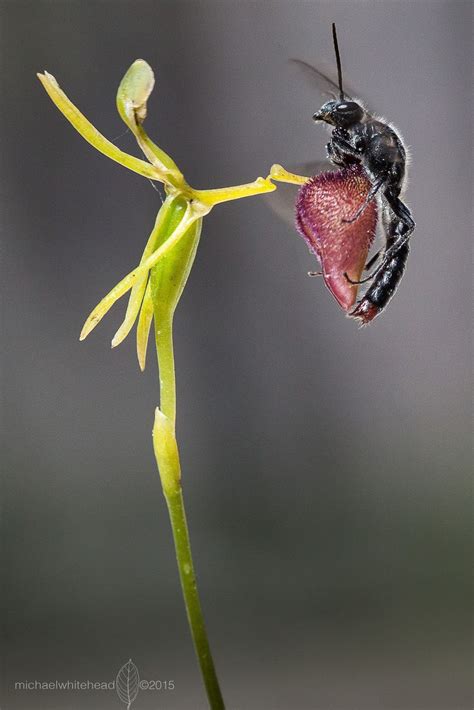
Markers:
322,205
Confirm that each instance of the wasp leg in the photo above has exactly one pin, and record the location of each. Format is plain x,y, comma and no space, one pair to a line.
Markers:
389,254
343,146
405,226
372,261
370,196
362,281
399,209
401,230
368,266
334,156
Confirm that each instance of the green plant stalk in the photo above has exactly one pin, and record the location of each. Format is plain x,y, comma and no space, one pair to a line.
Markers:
172,489
165,352
169,279
191,598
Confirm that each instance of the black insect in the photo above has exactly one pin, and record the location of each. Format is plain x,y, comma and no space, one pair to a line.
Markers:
359,137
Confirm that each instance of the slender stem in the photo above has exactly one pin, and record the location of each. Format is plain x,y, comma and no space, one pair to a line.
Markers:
168,459
165,352
191,597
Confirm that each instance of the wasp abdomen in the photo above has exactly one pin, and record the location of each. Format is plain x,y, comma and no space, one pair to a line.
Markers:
382,289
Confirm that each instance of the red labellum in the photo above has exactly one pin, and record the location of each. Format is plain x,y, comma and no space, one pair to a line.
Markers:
341,247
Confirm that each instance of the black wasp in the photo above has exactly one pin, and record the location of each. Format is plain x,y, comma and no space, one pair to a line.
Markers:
358,137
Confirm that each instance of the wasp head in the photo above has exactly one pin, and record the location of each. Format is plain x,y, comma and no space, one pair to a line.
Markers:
341,114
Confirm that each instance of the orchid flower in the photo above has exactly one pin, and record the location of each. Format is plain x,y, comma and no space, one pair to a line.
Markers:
177,228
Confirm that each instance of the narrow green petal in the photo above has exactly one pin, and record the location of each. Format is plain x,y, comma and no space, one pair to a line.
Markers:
225,194
91,134
160,159
136,295
134,303
132,97
191,215
143,327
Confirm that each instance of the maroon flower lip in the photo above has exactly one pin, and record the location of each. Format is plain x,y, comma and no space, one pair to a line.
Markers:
322,205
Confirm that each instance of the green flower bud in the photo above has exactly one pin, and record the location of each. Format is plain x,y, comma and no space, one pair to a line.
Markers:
133,93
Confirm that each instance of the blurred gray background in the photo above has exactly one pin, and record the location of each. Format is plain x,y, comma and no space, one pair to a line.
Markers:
326,468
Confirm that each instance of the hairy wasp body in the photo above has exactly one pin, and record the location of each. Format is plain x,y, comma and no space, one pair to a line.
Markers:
359,137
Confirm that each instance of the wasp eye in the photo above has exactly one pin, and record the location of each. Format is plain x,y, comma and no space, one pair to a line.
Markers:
349,111
347,107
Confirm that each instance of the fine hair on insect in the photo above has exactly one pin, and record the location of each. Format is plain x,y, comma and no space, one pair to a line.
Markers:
359,137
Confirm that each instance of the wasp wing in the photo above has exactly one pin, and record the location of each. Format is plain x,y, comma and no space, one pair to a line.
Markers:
321,79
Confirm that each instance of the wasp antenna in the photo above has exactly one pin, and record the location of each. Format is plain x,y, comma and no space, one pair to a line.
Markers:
338,61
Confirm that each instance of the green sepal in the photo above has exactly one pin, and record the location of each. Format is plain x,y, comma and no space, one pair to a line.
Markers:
168,278
132,98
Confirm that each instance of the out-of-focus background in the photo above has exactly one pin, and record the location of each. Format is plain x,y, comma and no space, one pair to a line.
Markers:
326,468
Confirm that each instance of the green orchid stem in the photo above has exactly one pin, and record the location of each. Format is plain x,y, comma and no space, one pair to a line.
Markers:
168,461
165,352
187,576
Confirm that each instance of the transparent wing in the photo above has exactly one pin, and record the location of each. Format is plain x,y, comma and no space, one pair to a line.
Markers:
321,79
282,201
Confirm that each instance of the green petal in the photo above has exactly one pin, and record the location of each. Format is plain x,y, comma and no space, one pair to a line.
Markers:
91,134
138,290
143,327
193,213
132,96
